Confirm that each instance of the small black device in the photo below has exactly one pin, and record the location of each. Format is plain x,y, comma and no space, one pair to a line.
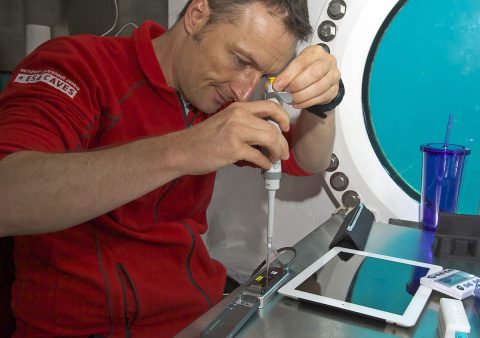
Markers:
457,236
258,291
354,231
265,287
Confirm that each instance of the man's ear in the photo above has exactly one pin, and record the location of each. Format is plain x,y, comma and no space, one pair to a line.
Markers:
196,16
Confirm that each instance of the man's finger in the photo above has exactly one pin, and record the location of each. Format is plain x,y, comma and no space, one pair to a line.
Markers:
268,137
319,91
256,157
328,96
266,108
317,71
285,78
303,61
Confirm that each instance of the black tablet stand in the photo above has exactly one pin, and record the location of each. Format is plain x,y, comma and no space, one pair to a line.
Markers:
354,231
457,236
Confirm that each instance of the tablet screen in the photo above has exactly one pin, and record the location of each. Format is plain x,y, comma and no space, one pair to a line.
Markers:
368,281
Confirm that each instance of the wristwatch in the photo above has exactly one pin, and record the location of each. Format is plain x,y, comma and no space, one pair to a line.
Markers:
321,109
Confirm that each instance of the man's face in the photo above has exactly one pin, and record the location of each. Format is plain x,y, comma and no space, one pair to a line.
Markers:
227,60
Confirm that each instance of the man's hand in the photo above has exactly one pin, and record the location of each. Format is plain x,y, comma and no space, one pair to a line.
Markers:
232,134
312,78
108,178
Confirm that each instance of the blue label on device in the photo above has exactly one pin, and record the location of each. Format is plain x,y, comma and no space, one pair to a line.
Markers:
460,335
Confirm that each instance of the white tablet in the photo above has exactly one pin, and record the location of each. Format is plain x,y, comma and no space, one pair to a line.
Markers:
373,285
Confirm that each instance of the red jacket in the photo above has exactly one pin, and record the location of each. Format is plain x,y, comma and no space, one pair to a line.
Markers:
142,268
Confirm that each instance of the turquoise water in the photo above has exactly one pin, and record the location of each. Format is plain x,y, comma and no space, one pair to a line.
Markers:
426,67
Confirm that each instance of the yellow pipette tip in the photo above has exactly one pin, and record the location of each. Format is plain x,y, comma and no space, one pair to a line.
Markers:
271,79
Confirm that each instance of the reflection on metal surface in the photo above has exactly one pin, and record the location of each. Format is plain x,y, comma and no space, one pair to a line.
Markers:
327,31
337,9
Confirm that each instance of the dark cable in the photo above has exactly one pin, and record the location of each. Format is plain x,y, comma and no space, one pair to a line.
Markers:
286,265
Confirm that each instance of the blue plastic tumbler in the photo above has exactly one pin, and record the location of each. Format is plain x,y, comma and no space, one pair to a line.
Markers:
441,178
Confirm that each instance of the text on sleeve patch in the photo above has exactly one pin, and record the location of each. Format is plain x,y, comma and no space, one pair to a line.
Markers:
49,77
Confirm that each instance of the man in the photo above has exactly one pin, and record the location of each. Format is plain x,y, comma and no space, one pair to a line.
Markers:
109,149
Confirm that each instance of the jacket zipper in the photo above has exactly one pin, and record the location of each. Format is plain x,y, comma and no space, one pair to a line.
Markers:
189,272
125,277
161,198
105,279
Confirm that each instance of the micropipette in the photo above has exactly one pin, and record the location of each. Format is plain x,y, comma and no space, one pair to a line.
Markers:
273,175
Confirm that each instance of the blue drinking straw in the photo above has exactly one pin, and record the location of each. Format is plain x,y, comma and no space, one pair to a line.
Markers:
447,133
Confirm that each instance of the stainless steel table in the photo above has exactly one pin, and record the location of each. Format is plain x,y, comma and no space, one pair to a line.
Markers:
284,317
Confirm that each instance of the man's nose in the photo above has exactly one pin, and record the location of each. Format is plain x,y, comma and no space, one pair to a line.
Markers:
244,85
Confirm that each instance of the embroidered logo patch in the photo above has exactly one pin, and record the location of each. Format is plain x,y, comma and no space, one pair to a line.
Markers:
49,77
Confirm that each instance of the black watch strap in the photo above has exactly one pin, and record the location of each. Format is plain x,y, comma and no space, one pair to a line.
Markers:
321,109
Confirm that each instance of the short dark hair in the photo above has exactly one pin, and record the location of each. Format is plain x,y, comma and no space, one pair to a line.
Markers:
294,13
